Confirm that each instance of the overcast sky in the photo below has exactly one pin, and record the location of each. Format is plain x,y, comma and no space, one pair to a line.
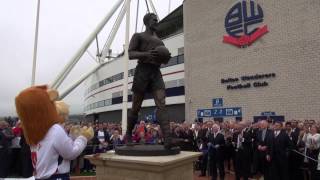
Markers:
64,26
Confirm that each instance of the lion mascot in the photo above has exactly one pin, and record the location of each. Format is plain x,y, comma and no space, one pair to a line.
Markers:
51,148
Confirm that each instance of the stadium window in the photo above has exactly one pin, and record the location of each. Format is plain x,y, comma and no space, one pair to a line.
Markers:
181,51
173,61
109,102
116,77
116,94
101,83
100,103
171,84
180,59
131,72
181,82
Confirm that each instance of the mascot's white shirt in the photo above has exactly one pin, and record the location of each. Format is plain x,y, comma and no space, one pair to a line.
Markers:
56,143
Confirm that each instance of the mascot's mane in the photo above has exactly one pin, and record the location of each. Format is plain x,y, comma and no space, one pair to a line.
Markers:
37,111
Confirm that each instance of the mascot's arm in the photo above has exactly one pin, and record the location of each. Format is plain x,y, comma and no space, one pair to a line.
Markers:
66,147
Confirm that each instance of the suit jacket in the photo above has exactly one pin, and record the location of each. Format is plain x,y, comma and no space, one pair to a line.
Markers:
202,136
282,145
6,135
216,153
254,133
106,137
235,137
188,144
247,136
294,136
267,141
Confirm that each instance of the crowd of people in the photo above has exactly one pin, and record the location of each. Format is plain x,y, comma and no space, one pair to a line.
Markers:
270,149
14,151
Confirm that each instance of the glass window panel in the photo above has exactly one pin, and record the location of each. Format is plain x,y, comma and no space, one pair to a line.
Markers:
180,59
180,50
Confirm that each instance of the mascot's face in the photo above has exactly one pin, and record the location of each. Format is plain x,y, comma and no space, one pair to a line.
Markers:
37,111
63,110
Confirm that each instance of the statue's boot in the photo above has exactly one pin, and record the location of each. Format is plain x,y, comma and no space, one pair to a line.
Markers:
163,118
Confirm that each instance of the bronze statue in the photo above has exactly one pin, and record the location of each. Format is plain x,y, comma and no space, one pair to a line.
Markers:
150,52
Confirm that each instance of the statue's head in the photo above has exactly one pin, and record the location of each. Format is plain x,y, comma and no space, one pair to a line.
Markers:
150,20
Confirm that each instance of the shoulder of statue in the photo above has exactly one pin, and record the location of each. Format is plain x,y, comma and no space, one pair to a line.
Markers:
137,35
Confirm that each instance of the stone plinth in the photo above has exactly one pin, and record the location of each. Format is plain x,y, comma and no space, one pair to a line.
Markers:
110,166
146,150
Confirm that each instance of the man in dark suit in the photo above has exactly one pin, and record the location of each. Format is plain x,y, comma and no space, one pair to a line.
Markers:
101,139
294,158
186,135
282,145
243,151
254,130
196,134
265,149
202,141
25,155
6,135
295,131
202,134
216,152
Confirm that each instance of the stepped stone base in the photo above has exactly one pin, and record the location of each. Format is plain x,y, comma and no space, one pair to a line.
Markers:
110,166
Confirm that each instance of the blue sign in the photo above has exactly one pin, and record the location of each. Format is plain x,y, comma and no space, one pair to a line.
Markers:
220,112
268,113
151,117
217,102
273,118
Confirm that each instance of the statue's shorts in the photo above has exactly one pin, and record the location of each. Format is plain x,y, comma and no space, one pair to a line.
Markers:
147,78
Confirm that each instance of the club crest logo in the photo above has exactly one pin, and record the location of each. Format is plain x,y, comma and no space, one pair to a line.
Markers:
243,23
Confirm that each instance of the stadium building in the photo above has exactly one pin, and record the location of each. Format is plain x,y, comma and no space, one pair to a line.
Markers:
231,59
252,58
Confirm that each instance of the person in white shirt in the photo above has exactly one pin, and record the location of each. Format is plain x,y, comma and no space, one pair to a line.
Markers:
101,139
56,144
312,141
318,168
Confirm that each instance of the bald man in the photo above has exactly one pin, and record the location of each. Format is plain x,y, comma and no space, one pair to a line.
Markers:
216,152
